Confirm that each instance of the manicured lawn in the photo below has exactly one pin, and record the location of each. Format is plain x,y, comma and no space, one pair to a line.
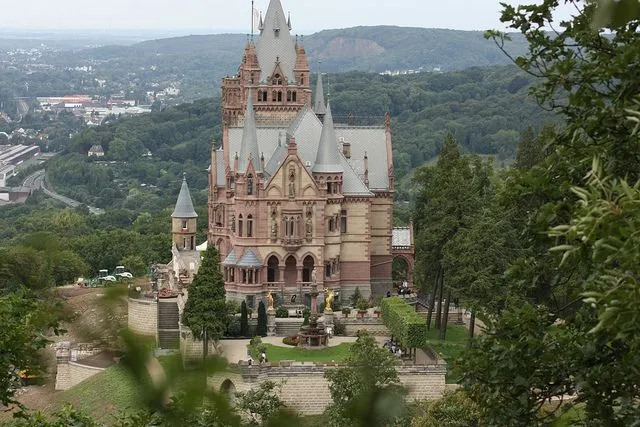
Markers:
450,349
331,354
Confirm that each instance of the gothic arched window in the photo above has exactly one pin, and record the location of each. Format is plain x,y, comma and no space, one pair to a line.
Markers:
250,226
250,185
277,79
240,225
279,96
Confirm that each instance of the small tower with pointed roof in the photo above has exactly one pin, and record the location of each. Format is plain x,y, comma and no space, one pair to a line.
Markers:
319,106
327,169
184,220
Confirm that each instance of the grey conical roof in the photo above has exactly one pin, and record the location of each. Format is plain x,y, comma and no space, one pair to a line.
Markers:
249,145
184,205
276,44
318,103
328,156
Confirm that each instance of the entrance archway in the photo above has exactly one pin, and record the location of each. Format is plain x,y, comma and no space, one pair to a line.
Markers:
307,268
272,269
401,270
228,389
290,271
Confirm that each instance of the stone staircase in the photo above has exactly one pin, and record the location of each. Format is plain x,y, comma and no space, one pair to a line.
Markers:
287,327
168,324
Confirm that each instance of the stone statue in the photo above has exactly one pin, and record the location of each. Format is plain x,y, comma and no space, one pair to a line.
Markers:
328,302
270,301
314,275
274,226
308,226
292,182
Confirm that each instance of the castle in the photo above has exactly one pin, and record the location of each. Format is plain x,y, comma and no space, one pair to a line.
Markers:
295,196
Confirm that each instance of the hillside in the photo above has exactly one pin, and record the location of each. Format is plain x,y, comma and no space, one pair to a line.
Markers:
486,109
374,49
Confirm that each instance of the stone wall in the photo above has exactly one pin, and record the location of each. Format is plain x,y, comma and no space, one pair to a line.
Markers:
69,372
143,316
372,326
305,389
191,348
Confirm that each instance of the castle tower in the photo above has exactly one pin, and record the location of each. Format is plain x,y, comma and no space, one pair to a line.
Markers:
184,220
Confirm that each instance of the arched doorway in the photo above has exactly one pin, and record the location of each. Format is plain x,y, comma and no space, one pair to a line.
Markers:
272,269
290,271
307,268
228,389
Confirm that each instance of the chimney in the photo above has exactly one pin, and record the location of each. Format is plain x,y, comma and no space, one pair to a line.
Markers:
346,148
366,169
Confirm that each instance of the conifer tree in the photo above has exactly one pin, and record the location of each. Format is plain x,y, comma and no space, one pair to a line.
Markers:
205,312
262,320
244,320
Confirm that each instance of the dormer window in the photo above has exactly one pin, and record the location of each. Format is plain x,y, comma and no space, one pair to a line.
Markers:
277,79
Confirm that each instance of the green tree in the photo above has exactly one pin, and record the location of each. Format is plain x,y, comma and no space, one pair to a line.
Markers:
261,403
262,320
205,312
244,320
453,409
366,392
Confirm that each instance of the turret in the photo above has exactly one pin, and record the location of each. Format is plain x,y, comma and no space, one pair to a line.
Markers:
328,165
249,148
319,106
184,220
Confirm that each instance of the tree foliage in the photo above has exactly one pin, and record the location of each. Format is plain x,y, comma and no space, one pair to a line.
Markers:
367,391
205,312
404,323
262,320
244,320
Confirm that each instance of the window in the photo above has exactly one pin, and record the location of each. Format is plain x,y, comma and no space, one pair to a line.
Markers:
301,79
279,96
289,227
252,78
294,96
250,226
240,226
184,224
277,79
262,96
327,270
332,225
343,221
274,96
184,243
250,185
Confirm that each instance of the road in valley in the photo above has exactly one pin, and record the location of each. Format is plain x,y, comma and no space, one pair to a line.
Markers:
35,181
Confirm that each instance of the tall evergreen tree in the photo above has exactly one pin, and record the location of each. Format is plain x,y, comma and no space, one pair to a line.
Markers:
244,320
205,312
262,320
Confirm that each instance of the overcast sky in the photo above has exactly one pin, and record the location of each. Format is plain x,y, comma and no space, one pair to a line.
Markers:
234,15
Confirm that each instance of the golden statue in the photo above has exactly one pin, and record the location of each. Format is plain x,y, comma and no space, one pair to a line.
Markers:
270,300
328,302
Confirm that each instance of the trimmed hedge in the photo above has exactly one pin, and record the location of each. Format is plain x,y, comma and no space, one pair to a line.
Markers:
404,323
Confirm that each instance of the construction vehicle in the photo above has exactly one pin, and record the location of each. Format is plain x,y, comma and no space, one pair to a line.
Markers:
105,278
121,274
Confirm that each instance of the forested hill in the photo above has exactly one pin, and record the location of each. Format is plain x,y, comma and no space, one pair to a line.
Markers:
374,49
485,108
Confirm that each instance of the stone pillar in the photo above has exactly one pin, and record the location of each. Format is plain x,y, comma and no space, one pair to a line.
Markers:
271,322
63,355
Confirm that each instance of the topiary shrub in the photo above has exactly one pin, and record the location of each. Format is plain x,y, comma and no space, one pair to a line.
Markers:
233,329
282,312
262,320
355,297
244,319
292,340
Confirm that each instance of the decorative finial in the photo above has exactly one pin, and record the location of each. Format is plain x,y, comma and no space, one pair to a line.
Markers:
184,176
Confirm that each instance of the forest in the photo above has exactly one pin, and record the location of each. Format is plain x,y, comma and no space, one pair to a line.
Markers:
486,109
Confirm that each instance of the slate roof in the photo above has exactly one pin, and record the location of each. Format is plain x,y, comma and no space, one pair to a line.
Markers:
231,259
249,259
276,44
306,128
319,106
184,205
328,156
249,146
401,237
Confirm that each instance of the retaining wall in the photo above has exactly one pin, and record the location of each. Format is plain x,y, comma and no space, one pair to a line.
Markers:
143,316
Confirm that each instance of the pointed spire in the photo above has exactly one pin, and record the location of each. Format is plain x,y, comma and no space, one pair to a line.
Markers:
328,156
184,205
261,24
318,105
276,41
289,21
249,147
